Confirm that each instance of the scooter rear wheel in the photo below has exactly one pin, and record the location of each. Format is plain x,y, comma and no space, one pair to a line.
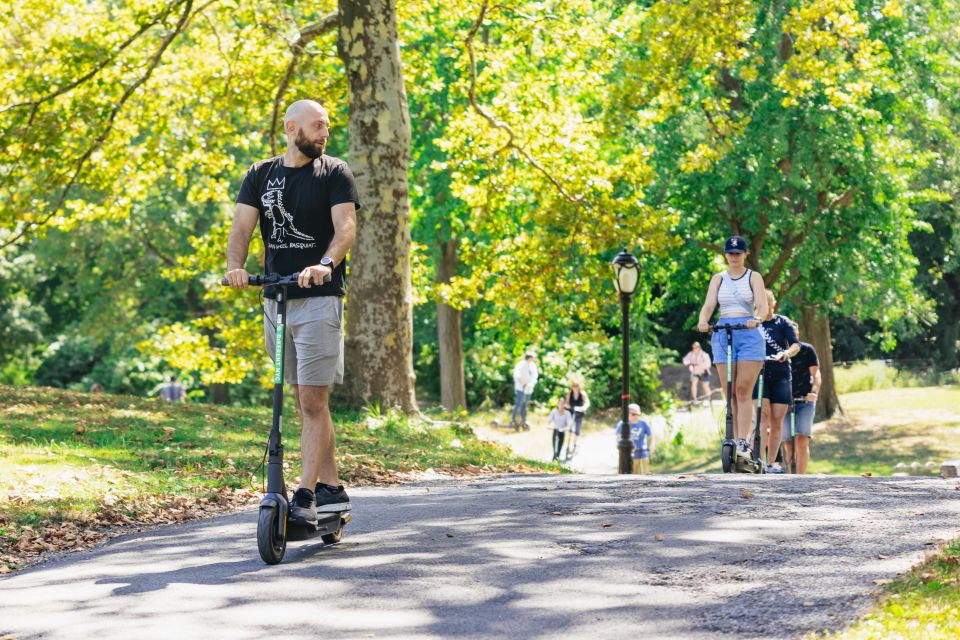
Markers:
726,458
271,545
333,538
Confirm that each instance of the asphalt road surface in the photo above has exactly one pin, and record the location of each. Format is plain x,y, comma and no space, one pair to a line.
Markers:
598,556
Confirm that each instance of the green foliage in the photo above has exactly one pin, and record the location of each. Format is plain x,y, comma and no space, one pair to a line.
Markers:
546,136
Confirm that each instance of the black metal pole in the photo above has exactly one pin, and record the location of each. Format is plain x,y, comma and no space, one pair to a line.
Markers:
626,444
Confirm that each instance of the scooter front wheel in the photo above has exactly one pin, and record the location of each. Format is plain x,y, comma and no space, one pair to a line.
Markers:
270,543
726,457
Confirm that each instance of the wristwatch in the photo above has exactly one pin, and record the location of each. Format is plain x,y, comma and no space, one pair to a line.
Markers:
327,262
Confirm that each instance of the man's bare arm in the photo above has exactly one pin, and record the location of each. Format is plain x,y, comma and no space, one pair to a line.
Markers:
344,233
238,245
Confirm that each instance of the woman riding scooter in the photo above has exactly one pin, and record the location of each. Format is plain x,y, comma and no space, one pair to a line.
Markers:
739,293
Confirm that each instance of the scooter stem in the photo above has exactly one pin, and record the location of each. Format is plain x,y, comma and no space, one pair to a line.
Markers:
275,482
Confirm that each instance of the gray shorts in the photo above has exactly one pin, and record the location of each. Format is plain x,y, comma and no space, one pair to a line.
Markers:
313,342
802,423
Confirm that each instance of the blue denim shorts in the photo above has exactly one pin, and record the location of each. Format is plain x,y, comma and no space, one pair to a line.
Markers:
747,343
802,423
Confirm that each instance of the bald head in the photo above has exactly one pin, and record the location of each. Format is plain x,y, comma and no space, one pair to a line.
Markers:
307,126
303,110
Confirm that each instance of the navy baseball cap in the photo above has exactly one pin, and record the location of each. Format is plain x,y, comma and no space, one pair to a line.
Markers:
735,244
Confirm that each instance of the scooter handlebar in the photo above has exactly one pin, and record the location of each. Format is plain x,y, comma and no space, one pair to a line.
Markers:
266,281
724,327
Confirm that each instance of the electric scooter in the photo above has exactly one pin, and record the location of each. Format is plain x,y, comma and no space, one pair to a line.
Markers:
756,432
793,431
274,525
731,459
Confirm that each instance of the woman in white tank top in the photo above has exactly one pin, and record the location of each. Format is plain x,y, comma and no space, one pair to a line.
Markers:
740,294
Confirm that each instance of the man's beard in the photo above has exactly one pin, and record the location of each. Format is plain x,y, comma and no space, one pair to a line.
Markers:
307,148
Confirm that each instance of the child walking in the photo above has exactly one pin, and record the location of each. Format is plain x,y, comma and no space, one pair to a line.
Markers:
561,420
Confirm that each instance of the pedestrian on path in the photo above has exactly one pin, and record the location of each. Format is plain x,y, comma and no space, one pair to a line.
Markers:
642,436
805,370
562,421
698,363
525,376
577,404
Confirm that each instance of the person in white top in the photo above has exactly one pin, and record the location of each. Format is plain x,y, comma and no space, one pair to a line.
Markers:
525,376
740,293
698,363
562,421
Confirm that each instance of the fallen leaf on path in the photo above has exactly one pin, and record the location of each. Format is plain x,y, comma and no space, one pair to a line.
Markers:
808,603
866,475
658,538
449,535
556,513
606,525
747,495
919,513
882,581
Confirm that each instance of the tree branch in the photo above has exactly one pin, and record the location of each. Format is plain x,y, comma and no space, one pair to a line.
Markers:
499,124
100,139
98,68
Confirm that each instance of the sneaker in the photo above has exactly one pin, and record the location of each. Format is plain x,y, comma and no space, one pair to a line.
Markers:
774,468
303,508
332,499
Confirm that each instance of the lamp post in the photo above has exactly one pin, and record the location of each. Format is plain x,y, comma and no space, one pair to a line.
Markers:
626,270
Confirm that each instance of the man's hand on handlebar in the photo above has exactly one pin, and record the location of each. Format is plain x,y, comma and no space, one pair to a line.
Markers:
752,324
238,278
315,274
703,327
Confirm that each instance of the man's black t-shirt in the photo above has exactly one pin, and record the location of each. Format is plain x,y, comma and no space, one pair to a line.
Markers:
778,334
801,363
296,222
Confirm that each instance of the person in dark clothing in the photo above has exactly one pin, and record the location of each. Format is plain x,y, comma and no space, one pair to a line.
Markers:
577,404
805,371
305,203
782,343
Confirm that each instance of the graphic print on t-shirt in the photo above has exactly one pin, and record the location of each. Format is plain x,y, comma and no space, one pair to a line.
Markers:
283,229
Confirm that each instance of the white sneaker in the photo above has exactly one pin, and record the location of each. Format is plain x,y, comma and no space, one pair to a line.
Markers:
774,468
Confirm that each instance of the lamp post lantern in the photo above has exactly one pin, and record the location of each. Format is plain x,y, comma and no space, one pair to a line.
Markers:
626,269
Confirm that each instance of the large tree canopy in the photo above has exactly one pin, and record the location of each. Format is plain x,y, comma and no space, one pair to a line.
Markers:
542,137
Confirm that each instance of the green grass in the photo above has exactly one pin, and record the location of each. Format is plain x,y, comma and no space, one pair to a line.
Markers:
923,604
878,430
883,428
871,375
93,460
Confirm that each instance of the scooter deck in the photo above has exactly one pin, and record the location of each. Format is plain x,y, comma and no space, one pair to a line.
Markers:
326,523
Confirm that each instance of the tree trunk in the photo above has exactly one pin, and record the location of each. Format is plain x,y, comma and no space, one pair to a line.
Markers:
453,393
379,336
219,393
815,329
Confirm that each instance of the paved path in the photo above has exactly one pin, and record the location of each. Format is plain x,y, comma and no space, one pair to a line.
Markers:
511,557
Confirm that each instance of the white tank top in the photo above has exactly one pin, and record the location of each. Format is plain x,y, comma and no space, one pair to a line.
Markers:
735,295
